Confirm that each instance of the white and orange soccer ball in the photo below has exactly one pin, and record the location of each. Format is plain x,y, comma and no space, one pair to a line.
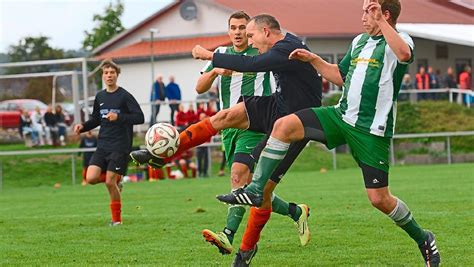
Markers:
162,140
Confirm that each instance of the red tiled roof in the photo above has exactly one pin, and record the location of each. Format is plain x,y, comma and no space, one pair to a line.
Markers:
340,18
166,47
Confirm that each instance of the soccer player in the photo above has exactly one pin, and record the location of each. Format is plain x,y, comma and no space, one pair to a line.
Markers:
370,73
115,111
298,86
240,143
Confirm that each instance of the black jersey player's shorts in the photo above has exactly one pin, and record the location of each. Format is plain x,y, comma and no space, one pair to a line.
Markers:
262,114
111,161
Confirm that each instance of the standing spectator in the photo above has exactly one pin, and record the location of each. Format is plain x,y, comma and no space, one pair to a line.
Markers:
61,124
465,82
173,93
465,79
202,155
87,141
39,125
51,129
115,111
192,115
406,85
422,82
434,82
181,120
157,95
449,80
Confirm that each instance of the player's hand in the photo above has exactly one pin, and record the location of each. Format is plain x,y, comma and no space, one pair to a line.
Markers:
223,72
111,116
77,128
374,9
200,52
302,55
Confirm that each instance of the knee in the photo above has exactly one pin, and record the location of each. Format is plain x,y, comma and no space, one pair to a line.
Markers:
110,183
283,129
238,178
379,201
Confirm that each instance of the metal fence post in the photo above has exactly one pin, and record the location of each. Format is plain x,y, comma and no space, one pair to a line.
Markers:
450,96
448,139
392,152
73,168
334,162
1,175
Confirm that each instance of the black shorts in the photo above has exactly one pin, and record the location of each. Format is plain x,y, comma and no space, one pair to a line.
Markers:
111,161
262,113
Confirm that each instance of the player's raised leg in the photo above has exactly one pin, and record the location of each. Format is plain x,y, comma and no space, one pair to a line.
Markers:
199,133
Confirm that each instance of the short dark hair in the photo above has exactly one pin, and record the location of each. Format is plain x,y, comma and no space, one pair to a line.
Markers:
108,63
394,7
238,15
267,20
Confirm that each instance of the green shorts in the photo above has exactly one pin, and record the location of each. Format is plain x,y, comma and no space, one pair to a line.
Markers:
239,141
366,148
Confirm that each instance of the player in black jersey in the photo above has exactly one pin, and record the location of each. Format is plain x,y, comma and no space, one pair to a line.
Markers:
115,111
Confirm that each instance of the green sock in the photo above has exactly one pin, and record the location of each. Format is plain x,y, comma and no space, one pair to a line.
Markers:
280,206
271,156
401,215
234,218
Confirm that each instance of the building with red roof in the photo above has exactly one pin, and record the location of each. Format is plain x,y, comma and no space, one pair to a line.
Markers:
443,32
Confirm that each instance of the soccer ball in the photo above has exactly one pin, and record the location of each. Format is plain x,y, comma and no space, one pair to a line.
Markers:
162,140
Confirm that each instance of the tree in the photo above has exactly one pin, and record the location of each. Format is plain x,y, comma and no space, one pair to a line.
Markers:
108,25
29,49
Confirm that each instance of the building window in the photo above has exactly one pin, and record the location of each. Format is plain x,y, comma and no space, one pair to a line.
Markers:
441,51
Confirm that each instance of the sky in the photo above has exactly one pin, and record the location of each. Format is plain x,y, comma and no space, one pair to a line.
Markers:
64,21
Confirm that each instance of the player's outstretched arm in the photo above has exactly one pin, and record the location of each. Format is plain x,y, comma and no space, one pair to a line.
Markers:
206,80
329,71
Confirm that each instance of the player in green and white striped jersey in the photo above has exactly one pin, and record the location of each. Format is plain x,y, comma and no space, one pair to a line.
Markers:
371,74
238,144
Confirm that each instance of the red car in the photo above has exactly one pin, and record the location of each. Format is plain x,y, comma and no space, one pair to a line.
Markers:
10,111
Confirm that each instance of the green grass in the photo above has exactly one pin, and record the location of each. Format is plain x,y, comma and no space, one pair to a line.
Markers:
163,220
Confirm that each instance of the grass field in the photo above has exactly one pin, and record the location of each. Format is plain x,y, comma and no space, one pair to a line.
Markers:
163,220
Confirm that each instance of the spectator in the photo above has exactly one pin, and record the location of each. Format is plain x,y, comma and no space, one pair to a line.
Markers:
51,128
434,82
202,155
465,82
173,93
184,162
38,125
465,79
61,124
449,80
200,109
87,141
181,121
157,95
211,108
406,85
422,82
191,114
27,129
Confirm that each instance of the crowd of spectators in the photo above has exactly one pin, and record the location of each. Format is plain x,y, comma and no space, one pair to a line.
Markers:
38,129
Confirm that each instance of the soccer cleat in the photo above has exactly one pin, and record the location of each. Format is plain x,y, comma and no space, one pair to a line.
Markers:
219,240
112,224
429,251
302,225
243,258
241,197
143,156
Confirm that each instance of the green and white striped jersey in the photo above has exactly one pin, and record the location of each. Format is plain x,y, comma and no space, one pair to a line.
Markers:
373,78
241,84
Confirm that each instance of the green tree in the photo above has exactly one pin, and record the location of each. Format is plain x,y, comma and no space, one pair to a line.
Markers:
107,26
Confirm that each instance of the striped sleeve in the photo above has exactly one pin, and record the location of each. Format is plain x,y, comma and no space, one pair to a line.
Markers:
410,44
208,67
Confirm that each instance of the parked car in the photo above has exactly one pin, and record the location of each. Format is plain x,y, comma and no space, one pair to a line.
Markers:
10,111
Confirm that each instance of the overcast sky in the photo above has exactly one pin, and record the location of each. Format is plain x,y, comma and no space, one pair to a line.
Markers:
64,21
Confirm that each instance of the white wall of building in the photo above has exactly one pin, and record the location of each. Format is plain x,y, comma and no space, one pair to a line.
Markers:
136,78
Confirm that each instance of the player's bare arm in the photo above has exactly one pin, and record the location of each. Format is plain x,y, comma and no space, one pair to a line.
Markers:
204,82
396,43
327,70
